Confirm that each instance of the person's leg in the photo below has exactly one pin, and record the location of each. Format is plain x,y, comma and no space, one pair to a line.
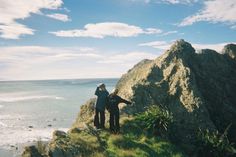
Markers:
111,121
117,121
96,119
102,118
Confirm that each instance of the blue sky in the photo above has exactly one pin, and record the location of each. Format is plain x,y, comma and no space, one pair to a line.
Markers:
52,39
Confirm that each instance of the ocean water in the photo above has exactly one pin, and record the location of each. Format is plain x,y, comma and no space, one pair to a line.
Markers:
31,110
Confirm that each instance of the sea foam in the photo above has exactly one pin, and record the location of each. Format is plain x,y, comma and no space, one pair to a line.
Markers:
24,96
23,136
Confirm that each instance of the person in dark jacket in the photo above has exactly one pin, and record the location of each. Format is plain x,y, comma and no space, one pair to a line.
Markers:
113,101
102,94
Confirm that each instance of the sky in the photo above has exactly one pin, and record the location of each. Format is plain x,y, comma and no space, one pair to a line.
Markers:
63,39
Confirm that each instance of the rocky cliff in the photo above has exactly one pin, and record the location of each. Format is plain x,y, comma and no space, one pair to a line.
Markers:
199,89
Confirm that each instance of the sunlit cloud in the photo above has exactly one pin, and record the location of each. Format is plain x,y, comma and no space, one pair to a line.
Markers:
60,17
162,45
38,62
167,1
214,11
107,29
12,10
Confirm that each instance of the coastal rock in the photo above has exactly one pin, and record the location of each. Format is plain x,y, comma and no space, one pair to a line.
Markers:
59,134
75,130
86,113
198,88
31,151
60,146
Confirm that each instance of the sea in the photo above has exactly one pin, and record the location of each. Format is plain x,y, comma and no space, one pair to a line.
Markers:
32,110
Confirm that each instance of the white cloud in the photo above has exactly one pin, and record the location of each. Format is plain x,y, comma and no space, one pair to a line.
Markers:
214,11
38,62
217,47
164,45
180,1
14,30
127,58
101,30
168,33
12,10
152,31
39,54
60,17
168,1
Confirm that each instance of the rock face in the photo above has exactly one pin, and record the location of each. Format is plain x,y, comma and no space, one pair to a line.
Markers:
60,146
31,151
198,88
230,50
86,112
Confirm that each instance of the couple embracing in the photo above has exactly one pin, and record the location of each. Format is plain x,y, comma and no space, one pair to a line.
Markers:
109,102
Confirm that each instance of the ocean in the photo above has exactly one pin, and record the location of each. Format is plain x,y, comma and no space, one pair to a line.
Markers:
32,110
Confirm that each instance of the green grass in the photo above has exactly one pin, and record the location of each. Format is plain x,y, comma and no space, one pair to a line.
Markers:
133,141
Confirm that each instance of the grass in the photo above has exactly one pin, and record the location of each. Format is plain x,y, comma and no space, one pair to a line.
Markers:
131,142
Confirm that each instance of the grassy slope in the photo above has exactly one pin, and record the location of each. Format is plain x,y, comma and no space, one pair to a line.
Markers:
131,142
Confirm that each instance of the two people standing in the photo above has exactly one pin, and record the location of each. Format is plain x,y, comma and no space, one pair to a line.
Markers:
111,102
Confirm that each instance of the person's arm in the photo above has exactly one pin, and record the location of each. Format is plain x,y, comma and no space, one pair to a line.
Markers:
125,101
97,92
107,103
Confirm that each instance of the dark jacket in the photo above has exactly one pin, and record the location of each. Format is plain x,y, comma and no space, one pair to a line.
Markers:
101,99
113,102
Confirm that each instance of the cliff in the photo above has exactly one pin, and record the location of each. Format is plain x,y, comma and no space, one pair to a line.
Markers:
197,88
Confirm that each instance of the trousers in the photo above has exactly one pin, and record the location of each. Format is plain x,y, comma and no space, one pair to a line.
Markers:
114,120
99,118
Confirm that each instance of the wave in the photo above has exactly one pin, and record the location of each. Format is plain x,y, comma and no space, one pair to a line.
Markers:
2,124
24,136
21,96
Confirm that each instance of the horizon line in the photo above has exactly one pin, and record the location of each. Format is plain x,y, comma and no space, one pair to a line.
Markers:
55,79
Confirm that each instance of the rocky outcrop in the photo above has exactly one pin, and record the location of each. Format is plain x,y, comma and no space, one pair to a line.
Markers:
230,50
61,146
198,88
31,151
86,112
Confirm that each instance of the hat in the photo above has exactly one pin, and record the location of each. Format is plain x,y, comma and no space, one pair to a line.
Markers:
101,84
115,91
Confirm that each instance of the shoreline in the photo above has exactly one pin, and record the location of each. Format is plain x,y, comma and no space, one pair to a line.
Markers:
17,149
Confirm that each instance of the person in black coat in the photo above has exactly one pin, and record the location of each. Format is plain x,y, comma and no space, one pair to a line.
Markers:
101,102
113,101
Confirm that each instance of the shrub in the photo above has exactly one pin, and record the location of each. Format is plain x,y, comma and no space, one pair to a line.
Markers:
155,119
214,144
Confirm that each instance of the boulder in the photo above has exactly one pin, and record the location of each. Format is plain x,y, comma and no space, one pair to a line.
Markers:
31,151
